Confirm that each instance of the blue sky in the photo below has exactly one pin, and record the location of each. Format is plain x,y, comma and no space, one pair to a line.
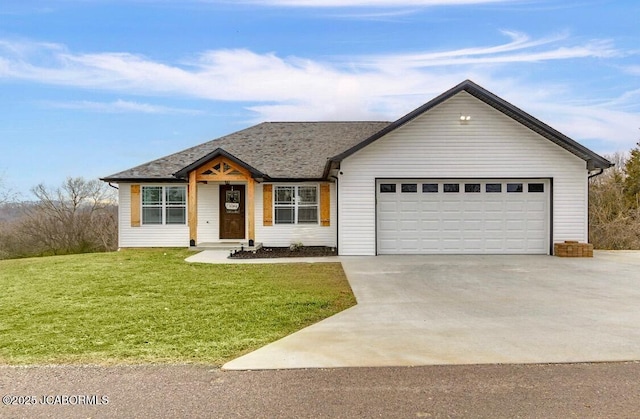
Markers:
92,87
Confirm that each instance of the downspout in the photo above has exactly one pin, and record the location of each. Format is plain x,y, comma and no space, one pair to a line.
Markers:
597,174
113,186
337,214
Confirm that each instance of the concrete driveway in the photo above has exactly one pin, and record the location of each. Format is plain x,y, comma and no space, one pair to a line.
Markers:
426,310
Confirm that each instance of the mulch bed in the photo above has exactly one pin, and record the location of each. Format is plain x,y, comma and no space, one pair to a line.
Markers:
285,252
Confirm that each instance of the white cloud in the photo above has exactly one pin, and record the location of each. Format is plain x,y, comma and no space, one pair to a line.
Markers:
121,106
359,87
521,49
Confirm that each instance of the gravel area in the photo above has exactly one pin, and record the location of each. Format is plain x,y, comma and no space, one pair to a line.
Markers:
195,391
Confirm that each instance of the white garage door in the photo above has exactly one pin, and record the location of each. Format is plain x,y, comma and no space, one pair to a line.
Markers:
474,216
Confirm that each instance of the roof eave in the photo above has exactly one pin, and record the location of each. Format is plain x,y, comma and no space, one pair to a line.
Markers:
141,180
297,179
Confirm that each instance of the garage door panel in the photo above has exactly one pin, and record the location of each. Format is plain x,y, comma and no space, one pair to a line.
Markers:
408,244
450,207
496,243
475,245
389,227
450,225
409,226
387,207
410,206
429,226
466,221
536,225
468,226
536,206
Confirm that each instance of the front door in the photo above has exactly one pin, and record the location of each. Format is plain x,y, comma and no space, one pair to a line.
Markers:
232,212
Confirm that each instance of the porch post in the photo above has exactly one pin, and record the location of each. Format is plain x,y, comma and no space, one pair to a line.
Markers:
193,209
252,208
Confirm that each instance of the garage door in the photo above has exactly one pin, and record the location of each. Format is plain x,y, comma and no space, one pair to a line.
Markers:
475,216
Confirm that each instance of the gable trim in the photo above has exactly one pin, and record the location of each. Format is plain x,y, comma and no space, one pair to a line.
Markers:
218,152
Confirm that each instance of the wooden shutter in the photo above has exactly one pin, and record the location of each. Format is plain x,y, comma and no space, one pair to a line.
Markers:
325,205
267,205
135,205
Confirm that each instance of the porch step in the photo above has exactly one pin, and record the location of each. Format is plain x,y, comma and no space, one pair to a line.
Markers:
228,246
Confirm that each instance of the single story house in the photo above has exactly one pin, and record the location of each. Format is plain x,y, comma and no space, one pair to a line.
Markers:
466,173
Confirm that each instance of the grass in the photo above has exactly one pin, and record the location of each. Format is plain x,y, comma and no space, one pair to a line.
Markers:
149,306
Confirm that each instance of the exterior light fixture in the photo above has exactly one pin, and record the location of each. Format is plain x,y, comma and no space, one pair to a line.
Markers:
465,118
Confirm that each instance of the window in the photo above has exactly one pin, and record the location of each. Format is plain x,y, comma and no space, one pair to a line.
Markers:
296,205
176,205
387,188
472,187
514,187
429,188
164,205
409,187
535,187
493,187
451,187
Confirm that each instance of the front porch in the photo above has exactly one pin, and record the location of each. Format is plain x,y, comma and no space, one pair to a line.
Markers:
221,202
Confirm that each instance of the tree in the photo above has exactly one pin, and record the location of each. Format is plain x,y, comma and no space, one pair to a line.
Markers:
6,194
613,222
632,179
77,217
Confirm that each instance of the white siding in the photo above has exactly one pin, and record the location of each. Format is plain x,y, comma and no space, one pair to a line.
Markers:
208,213
146,235
208,224
281,235
436,145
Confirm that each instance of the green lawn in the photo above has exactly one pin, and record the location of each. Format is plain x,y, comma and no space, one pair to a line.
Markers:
149,306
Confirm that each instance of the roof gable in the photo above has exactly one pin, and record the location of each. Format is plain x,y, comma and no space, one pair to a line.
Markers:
218,152
594,161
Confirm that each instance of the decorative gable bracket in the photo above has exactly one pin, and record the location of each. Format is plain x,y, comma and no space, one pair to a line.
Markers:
220,165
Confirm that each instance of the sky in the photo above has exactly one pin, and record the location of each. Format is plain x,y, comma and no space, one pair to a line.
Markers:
93,87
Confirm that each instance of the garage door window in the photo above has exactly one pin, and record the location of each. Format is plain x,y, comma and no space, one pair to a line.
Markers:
409,188
429,188
387,188
536,187
493,187
472,187
514,187
451,187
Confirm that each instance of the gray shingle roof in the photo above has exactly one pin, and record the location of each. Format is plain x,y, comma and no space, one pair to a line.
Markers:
301,150
280,150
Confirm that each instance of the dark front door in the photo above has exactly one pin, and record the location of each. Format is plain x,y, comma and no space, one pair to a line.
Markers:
232,211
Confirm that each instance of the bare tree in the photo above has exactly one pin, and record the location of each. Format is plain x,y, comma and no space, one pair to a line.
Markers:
632,179
77,217
6,194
